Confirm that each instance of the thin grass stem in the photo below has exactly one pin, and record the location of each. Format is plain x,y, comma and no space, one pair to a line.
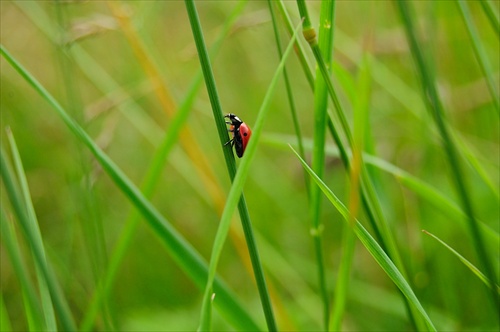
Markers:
230,162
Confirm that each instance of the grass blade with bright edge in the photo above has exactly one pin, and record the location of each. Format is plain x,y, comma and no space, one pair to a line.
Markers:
34,313
373,247
47,305
480,52
434,105
230,162
237,187
182,252
61,306
469,265
151,178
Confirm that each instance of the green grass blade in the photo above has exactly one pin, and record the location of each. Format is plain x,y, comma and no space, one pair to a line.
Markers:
373,247
468,264
47,306
230,162
434,106
61,306
33,310
182,252
480,52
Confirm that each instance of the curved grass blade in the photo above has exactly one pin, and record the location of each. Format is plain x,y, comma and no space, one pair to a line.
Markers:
469,265
372,246
182,252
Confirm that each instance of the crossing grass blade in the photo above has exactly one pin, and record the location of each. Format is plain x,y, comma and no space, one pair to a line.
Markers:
372,246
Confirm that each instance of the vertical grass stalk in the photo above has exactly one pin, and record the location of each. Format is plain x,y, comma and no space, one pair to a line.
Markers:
230,162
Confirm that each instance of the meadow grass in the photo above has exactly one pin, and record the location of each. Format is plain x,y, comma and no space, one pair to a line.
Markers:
392,107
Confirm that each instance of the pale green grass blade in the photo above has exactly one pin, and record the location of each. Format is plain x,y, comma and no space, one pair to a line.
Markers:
237,188
373,248
47,306
469,265
480,52
60,303
34,313
452,153
182,252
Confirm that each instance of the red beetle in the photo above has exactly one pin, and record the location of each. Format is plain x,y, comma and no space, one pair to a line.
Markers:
241,134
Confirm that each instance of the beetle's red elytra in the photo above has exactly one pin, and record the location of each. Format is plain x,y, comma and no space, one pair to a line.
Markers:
241,134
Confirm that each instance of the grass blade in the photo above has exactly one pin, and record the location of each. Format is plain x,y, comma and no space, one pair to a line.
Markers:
230,164
469,265
47,305
434,106
61,306
182,252
372,246
32,306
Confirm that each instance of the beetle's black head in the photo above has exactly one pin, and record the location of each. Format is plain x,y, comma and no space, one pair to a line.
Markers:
235,121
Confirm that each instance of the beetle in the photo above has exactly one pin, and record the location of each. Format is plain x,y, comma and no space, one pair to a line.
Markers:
241,134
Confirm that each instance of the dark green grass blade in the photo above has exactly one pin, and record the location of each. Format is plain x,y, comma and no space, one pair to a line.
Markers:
434,106
182,252
230,162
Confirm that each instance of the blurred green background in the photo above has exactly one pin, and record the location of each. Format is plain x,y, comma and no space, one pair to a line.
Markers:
86,54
